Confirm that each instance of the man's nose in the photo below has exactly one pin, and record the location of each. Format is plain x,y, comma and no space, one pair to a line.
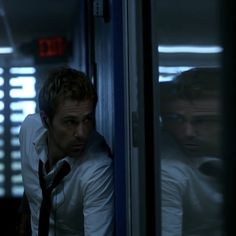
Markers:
79,131
190,129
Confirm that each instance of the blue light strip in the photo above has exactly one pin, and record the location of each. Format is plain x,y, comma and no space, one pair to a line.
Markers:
189,49
6,50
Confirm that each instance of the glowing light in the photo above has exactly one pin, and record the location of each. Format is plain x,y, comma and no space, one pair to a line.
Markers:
22,70
15,142
6,50
1,104
25,108
15,165
2,178
1,94
168,73
16,179
2,154
26,84
1,142
15,155
1,129
1,118
1,80
189,49
166,78
15,130
2,192
173,69
17,191
2,167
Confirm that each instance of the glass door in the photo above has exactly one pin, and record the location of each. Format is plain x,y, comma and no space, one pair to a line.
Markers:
173,82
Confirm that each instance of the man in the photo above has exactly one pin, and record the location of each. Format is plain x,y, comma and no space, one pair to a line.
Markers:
66,165
191,167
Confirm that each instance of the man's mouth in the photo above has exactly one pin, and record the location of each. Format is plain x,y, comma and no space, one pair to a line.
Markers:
79,145
190,146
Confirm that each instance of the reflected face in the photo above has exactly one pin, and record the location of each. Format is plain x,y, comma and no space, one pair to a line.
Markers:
195,125
70,128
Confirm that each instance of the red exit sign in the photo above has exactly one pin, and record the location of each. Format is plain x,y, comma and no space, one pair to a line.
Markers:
51,47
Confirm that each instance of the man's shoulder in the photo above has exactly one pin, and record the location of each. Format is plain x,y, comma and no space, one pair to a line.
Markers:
32,120
97,146
173,162
176,167
31,124
98,154
99,157
95,162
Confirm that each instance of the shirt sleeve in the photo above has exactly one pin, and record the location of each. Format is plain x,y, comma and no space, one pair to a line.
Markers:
24,145
26,137
99,202
172,186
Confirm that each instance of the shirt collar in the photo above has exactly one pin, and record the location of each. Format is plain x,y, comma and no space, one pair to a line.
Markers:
198,161
40,144
40,140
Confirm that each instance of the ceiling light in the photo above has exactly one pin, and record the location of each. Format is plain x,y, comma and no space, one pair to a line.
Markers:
189,49
6,50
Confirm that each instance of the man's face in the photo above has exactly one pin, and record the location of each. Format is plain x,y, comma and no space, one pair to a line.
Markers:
70,128
195,125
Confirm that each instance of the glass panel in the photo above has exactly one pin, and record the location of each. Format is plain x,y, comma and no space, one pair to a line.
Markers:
2,133
17,100
188,52
22,102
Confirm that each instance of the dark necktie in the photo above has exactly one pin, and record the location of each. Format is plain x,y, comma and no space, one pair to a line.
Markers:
43,227
213,168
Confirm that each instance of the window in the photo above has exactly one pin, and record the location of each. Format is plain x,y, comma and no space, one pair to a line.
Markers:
17,100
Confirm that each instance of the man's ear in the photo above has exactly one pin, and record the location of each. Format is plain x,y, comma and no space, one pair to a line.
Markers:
44,119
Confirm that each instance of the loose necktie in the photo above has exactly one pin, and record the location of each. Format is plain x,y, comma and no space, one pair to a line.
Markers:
44,215
213,168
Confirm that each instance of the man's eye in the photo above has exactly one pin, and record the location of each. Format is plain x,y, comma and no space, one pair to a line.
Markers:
87,119
174,118
70,122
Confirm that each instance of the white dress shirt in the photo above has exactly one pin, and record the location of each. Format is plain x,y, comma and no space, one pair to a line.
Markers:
82,204
192,201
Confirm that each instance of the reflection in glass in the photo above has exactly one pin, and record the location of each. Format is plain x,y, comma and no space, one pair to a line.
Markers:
186,36
191,164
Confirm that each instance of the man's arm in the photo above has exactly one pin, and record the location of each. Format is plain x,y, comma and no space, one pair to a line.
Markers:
24,226
99,203
172,190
